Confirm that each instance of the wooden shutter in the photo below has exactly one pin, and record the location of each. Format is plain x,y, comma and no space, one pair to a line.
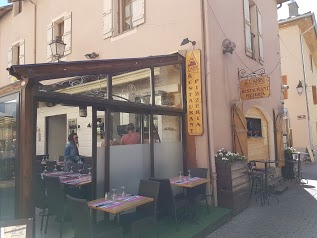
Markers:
107,19
247,28
260,36
48,41
21,52
138,17
284,82
10,52
68,33
239,131
278,132
314,94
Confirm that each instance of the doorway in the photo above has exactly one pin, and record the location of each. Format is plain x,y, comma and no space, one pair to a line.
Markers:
56,127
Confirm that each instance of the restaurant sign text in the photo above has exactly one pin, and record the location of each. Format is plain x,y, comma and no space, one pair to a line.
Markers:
257,87
193,91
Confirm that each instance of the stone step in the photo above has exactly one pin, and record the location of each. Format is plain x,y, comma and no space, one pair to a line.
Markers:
280,188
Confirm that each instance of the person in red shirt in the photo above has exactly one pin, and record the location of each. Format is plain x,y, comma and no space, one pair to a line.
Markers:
132,137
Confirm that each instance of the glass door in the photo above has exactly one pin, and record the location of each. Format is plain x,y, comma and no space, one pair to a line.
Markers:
8,153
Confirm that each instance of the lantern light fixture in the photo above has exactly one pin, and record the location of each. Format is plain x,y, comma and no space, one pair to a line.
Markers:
299,88
57,48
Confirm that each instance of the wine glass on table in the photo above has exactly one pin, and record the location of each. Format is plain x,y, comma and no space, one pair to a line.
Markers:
123,193
79,171
89,171
189,176
55,169
45,170
71,170
180,175
113,194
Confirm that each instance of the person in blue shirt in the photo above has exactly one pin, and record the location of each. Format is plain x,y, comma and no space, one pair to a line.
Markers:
71,153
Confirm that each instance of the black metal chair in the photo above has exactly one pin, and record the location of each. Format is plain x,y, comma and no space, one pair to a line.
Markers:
196,194
145,215
82,222
55,200
40,199
50,165
167,205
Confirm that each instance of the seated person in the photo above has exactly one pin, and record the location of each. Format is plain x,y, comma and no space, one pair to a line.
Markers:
132,137
71,153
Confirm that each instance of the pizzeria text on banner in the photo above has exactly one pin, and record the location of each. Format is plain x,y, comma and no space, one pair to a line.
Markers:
257,87
193,91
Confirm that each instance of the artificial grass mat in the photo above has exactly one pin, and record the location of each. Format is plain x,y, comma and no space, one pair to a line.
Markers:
167,227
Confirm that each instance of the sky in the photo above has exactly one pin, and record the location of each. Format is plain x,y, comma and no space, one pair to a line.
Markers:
304,6
3,2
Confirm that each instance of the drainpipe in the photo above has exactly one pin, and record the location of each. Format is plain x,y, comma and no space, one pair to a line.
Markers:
205,48
305,85
34,43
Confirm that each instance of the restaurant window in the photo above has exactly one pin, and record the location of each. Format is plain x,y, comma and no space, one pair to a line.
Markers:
167,86
16,53
134,86
168,141
254,127
125,15
8,153
253,31
122,15
60,27
17,7
129,150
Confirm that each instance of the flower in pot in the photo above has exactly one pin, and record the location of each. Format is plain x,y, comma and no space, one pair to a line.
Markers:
288,153
224,156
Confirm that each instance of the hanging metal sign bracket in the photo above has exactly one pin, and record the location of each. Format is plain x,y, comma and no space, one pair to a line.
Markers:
242,73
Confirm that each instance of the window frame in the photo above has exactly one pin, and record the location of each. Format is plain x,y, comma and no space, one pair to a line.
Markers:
259,130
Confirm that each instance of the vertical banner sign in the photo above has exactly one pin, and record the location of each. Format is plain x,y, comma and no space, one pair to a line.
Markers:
193,92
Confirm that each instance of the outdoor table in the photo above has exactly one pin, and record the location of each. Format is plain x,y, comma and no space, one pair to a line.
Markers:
120,204
71,179
186,183
266,162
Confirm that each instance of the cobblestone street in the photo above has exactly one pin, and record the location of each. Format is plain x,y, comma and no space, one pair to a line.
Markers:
295,215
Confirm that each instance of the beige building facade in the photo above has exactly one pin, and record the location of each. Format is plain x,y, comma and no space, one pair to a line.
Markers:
237,43
299,65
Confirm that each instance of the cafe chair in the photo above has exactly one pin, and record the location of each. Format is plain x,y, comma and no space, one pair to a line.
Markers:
198,193
145,215
55,200
82,222
50,165
166,204
40,198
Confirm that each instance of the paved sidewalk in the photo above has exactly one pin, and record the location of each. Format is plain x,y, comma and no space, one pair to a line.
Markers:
294,217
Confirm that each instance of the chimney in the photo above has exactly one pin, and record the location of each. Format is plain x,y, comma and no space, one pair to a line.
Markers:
293,9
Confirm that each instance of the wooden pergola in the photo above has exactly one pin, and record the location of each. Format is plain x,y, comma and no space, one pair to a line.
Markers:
29,79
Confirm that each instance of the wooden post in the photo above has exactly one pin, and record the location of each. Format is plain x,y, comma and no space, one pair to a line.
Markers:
27,140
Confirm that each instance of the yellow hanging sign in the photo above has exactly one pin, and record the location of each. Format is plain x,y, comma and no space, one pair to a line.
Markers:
193,92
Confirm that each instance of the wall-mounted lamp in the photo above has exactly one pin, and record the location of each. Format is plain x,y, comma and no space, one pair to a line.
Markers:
83,111
299,88
186,41
91,55
57,47
228,46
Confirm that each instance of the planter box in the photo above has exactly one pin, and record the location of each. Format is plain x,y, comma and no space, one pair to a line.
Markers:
233,186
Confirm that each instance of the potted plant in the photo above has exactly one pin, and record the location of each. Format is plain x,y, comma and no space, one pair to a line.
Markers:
288,153
232,180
